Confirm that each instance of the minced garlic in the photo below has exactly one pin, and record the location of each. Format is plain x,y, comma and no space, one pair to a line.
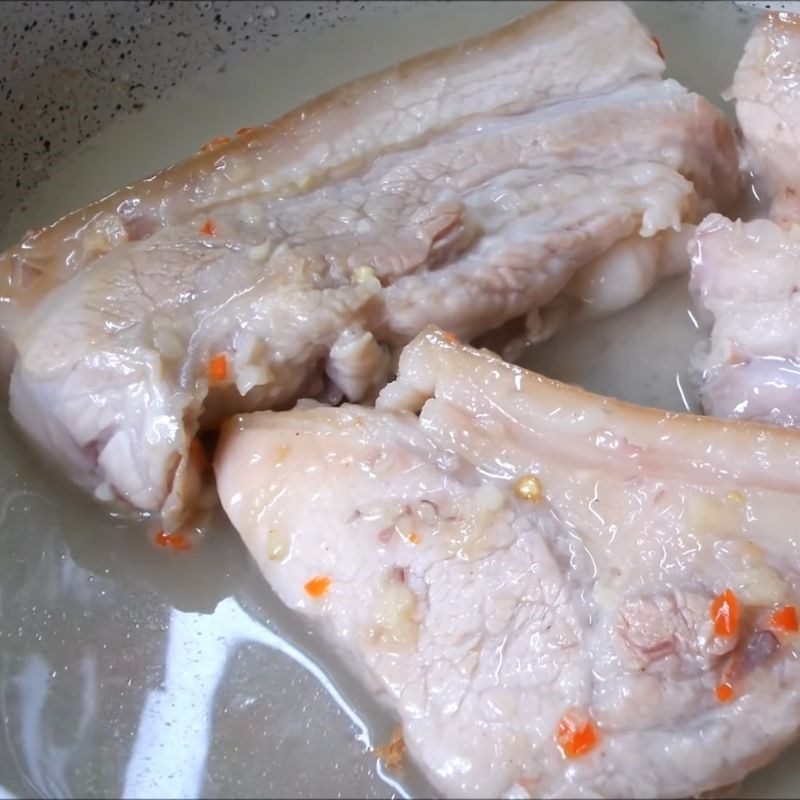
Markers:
362,274
277,544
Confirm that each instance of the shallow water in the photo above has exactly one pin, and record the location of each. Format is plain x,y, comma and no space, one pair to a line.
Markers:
126,670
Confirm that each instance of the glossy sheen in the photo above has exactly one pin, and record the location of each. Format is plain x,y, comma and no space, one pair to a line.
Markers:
469,189
745,277
511,71
111,61
766,87
617,592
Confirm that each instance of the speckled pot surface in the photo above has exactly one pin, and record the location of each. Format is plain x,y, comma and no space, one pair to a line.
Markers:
68,68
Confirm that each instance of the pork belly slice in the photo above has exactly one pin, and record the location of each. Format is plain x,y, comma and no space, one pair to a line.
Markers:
567,50
535,578
765,88
745,275
745,279
547,158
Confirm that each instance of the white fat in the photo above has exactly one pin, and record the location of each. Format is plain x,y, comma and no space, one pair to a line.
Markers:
249,377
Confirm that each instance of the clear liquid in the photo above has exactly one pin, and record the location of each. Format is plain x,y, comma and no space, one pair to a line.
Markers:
126,670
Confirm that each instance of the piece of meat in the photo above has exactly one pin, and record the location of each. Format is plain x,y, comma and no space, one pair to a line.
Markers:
560,52
765,88
745,276
746,279
524,555
464,188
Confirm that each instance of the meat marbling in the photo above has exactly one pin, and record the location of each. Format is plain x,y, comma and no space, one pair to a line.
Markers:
746,275
463,188
523,550
765,88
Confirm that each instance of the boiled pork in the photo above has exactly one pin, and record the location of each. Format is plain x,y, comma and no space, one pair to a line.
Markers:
746,275
746,279
765,88
466,188
560,595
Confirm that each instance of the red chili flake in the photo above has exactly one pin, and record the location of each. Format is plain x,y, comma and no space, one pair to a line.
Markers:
217,369
576,734
724,692
725,613
177,541
208,228
784,620
318,587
